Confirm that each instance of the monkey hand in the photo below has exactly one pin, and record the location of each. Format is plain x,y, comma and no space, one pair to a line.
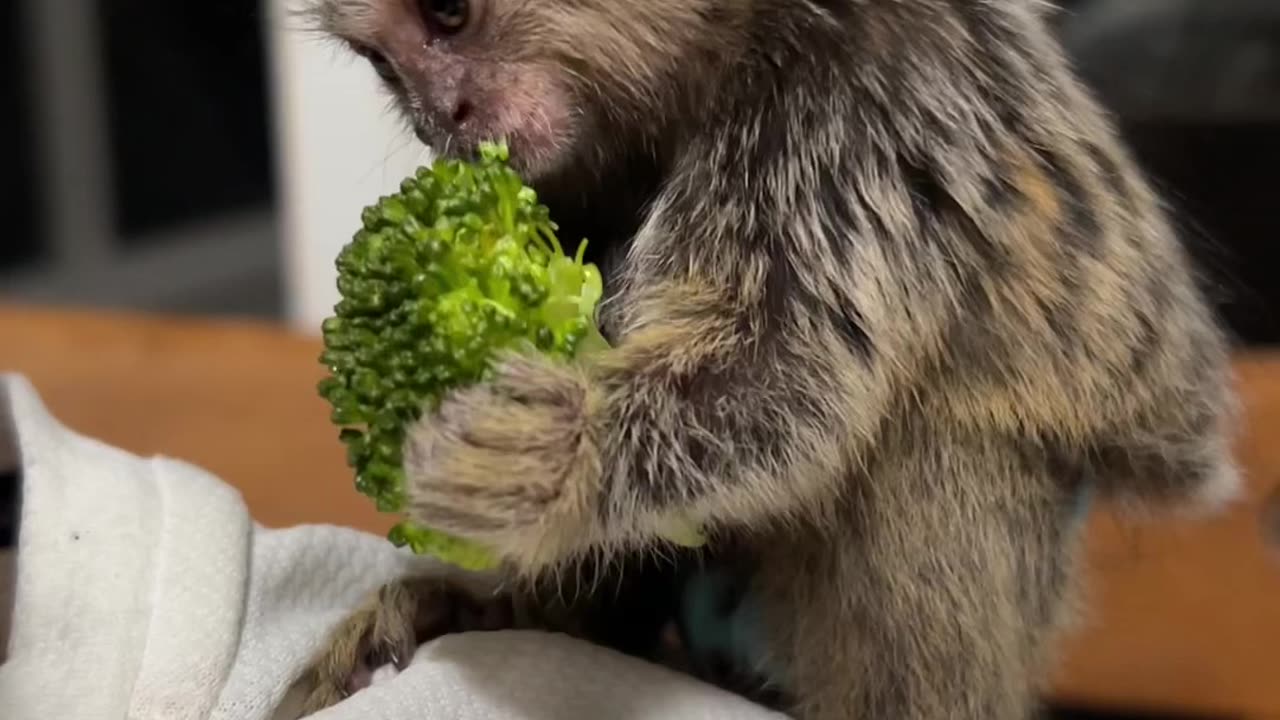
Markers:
511,463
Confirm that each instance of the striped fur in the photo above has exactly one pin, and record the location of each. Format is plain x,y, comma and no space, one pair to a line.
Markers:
893,296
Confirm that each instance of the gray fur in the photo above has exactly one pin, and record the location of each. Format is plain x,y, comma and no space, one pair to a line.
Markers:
897,297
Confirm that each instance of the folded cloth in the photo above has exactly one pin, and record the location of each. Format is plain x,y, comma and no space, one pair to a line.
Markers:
145,591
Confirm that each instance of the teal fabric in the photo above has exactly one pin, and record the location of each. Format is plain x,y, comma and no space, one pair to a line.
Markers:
738,635
1084,501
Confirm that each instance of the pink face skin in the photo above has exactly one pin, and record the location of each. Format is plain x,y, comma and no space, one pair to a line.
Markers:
439,59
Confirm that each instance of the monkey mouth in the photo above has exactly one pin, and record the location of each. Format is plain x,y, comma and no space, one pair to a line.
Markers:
530,155
453,146
443,144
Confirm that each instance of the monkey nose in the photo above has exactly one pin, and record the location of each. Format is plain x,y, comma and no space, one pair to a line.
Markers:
452,114
440,124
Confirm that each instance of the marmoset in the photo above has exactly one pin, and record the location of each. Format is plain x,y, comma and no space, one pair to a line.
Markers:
889,301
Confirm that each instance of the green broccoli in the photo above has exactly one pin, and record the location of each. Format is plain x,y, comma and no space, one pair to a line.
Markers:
461,263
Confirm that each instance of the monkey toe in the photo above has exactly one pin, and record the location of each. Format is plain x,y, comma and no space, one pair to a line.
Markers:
380,634
387,630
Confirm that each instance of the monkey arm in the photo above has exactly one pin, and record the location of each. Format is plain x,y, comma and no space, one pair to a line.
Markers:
712,407
730,411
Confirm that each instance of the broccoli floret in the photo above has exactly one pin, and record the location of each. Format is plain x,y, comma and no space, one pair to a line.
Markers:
460,264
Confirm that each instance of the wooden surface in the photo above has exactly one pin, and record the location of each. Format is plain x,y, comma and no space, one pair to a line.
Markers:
1186,614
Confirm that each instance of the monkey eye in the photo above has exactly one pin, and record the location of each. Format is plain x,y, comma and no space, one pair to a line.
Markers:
448,16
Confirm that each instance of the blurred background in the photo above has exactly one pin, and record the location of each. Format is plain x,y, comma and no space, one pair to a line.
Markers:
211,157
182,157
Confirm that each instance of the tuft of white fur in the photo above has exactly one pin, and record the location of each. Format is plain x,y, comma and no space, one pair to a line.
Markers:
1224,489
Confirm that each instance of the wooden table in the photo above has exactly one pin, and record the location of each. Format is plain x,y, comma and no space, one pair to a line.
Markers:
1186,614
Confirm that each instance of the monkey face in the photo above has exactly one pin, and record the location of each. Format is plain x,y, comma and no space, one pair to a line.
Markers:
561,81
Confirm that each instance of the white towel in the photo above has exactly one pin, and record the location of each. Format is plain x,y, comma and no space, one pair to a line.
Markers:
145,591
